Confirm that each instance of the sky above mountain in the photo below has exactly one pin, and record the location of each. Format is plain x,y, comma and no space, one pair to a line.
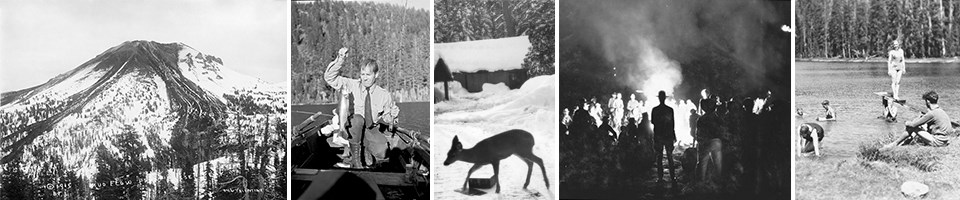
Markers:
415,4
41,39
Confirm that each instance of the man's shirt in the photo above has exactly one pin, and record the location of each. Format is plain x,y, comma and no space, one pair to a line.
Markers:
382,105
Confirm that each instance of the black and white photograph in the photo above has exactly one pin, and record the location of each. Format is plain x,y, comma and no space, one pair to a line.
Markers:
675,99
360,91
143,100
494,100
876,104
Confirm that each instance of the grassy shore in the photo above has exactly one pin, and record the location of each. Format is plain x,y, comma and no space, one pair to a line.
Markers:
878,174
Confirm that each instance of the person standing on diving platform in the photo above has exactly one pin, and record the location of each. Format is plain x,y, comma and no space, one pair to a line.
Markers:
896,67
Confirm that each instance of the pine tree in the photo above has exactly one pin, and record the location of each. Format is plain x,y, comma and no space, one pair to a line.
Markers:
121,176
14,184
107,185
132,166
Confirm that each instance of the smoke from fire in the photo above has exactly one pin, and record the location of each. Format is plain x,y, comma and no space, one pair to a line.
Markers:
690,44
683,47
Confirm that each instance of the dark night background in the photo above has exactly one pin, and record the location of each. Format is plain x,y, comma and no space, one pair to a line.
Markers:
736,49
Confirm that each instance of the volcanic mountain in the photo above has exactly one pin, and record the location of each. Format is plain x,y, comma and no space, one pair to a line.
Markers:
151,89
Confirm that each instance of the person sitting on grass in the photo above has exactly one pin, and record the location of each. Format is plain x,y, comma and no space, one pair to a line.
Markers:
938,125
830,113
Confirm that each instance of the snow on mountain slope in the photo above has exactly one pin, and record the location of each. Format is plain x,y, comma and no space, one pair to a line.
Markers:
147,88
209,73
85,77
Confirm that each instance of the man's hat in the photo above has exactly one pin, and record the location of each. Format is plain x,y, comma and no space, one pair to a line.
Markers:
662,94
825,102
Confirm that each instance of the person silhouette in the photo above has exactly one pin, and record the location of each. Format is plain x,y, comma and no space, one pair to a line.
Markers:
663,135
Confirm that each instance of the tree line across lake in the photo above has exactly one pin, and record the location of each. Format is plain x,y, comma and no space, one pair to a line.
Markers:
458,21
396,37
866,29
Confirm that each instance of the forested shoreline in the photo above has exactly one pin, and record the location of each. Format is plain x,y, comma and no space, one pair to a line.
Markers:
458,21
396,37
866,29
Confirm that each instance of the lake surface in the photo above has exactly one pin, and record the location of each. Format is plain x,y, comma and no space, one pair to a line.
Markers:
413,115
850,88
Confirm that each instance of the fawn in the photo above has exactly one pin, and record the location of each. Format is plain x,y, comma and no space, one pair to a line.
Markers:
496,148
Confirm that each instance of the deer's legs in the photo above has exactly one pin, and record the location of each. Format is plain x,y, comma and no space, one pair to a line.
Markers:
496,174
469,172
529,171
543,170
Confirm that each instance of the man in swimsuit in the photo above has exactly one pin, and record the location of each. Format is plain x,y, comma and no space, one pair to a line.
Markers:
896,67
807,141
830,113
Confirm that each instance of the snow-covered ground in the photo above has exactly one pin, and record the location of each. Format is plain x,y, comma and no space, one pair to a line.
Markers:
475,116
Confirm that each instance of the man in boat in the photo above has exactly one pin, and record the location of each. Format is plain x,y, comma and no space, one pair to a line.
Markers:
663,135
373,105
938,125
895,67
829,113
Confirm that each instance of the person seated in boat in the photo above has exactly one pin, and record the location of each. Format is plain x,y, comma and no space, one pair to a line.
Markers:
937,122
372,105
829,113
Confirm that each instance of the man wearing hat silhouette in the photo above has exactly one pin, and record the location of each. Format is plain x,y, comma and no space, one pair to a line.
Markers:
663,134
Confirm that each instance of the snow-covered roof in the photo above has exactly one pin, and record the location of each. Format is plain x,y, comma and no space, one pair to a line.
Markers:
490,55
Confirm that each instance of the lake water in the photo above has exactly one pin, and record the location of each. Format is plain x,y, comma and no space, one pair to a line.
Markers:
850,88
413,115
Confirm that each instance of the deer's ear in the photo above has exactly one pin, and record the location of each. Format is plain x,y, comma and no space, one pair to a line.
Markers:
456,146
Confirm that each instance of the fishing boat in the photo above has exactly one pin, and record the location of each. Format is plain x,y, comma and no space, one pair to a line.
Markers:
316,175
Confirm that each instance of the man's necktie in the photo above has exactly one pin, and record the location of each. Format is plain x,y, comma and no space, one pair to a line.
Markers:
367,110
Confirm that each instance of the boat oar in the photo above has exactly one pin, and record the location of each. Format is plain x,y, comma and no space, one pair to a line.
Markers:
410,136
305,126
